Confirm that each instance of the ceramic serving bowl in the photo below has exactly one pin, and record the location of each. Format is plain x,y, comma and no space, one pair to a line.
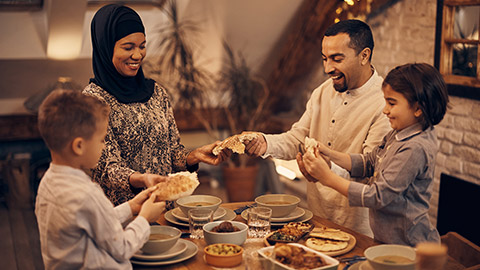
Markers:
223,255
281,204
237,237
161,239
391,257
198,202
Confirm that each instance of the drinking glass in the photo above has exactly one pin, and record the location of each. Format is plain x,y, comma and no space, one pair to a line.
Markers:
196,219
258,221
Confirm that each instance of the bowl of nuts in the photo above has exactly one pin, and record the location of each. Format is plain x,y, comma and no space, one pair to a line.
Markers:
223,255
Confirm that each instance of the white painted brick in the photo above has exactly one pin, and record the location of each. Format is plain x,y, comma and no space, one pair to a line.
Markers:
472,169
446,147
476,109
467,123
440,161
448,121
467,153
454,165
440,130
454,136
472,139
460,106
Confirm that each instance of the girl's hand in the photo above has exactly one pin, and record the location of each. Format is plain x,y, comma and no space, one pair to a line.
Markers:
137,202
315,165
301,166
152,210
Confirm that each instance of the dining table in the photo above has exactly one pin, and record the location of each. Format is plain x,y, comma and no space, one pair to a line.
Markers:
251,245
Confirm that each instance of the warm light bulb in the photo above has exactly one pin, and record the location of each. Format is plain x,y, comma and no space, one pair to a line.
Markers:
349,2
337,20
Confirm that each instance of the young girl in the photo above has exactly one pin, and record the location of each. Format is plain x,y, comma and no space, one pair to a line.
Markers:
400,168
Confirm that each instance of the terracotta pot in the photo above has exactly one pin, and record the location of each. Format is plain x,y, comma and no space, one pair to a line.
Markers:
240,182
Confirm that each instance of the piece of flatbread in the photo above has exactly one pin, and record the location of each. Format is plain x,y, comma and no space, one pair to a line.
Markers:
330,234
310,144
178,185
325,245
234,143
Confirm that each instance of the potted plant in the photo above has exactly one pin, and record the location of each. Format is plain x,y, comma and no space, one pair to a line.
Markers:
244,108
241,95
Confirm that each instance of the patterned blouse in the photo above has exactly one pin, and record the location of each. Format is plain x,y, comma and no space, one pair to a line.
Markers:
141,137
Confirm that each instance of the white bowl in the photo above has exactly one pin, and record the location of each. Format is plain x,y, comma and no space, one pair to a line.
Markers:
158,246
373,253
332,263
281,204
198,202
237,238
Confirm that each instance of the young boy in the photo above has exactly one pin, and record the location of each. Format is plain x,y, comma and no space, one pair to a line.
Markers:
401,167
79,227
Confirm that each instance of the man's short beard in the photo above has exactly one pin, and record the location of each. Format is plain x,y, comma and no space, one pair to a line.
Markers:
340,88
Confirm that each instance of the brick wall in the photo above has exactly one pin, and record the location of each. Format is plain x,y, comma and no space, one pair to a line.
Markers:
404,33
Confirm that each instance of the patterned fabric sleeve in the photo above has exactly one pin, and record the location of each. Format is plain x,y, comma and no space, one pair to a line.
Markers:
141,137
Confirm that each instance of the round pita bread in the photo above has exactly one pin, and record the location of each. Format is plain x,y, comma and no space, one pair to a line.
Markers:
331,234
178,185
325,245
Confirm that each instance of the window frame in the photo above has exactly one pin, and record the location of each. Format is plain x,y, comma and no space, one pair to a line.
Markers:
462,86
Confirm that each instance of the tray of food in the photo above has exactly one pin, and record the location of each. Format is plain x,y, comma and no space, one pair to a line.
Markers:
330,241
290,233
295,256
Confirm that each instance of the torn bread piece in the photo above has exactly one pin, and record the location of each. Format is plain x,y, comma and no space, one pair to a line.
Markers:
310,144
235,143
178,185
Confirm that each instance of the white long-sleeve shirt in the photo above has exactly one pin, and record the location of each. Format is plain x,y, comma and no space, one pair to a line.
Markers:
350,122
80,228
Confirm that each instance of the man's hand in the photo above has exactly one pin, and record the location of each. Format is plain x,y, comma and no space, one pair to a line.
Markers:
256,147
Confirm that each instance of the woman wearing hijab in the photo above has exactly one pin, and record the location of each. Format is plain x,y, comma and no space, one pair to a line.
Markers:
142,142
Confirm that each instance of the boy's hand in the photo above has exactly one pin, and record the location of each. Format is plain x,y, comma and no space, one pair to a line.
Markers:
256,147
152,210
137,201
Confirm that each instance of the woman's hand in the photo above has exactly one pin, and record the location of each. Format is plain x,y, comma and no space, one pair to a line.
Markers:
204,154
141,180
139,199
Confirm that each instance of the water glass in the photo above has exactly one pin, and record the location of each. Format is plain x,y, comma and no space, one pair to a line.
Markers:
196,219
259,221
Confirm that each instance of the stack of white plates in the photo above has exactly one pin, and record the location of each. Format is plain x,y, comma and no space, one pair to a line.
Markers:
181,251
177,217
297,215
